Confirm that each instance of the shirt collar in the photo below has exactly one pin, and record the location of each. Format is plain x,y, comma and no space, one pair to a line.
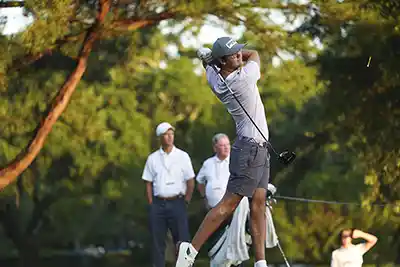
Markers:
218,160
165,153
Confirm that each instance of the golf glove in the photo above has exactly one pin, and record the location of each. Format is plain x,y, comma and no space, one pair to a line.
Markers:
271,189
205,55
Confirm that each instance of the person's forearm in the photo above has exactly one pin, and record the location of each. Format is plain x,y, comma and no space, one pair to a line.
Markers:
189,190
368,237
149,192
246,54
202,190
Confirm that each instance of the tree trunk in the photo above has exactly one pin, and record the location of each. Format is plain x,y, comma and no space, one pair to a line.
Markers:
9,173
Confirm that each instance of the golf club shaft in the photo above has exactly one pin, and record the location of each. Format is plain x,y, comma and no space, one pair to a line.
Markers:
245,111
283,255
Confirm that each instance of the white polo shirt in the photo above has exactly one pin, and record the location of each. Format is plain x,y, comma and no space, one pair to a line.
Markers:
215,174
168,172
348,257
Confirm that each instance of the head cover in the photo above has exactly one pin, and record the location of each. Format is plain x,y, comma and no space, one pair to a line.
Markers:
163,127
225,46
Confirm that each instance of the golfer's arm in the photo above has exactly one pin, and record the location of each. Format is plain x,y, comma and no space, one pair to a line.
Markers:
371,239
149,192
251,55
189,189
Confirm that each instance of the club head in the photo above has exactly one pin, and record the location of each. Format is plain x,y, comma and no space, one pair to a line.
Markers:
286,157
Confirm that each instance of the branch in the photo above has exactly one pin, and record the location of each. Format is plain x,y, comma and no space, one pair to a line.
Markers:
31,58
9,173
134,24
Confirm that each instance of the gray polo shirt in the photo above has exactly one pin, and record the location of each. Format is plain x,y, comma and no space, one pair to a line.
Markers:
243,82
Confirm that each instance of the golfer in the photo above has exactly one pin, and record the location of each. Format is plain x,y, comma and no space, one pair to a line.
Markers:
350,255
249,158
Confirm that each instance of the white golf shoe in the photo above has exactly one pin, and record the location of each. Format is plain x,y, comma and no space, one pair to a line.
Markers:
186,255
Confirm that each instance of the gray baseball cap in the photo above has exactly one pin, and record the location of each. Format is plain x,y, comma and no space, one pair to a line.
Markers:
225,46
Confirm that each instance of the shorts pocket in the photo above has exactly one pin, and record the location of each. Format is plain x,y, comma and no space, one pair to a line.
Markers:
238,161
257,157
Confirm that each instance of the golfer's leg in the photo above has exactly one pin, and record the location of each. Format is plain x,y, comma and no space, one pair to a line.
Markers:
257,223
258,207
215,217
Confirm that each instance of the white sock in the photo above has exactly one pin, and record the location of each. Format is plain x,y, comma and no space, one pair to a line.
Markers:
261,263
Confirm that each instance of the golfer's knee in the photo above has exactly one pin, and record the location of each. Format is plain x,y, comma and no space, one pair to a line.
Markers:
228,205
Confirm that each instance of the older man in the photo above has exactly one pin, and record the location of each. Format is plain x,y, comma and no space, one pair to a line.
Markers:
214,174
169,178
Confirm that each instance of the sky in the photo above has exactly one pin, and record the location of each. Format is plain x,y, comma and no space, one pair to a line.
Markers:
16,21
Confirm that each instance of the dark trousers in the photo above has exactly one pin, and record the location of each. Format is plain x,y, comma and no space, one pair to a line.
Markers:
167,215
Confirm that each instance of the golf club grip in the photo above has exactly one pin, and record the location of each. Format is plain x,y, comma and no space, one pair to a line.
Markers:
245,111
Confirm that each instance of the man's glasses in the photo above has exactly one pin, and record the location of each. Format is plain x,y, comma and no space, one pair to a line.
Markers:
345,236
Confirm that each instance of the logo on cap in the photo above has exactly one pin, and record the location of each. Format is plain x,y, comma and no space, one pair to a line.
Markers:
230,43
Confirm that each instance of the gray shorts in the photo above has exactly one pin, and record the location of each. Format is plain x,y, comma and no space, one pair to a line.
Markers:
249,167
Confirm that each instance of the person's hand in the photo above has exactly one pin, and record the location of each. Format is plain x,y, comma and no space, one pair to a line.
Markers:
187,202
271,190
204,54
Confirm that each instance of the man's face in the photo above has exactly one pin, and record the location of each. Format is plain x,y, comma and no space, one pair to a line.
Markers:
167,139
223,147
234,61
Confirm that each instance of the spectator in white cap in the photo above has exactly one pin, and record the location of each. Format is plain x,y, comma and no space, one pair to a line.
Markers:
169,178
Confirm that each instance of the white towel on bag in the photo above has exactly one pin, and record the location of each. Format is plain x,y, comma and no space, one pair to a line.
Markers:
232,247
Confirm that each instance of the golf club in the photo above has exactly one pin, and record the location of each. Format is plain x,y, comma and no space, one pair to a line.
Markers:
286,157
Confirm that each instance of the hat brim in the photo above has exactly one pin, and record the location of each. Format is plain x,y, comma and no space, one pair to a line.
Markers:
166,130
236,48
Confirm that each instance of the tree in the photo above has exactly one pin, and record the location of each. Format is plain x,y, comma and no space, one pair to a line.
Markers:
79,22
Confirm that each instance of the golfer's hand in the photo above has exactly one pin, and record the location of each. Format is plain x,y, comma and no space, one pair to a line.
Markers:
204,54
271,189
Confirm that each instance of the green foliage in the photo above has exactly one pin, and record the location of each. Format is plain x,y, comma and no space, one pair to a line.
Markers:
340,115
